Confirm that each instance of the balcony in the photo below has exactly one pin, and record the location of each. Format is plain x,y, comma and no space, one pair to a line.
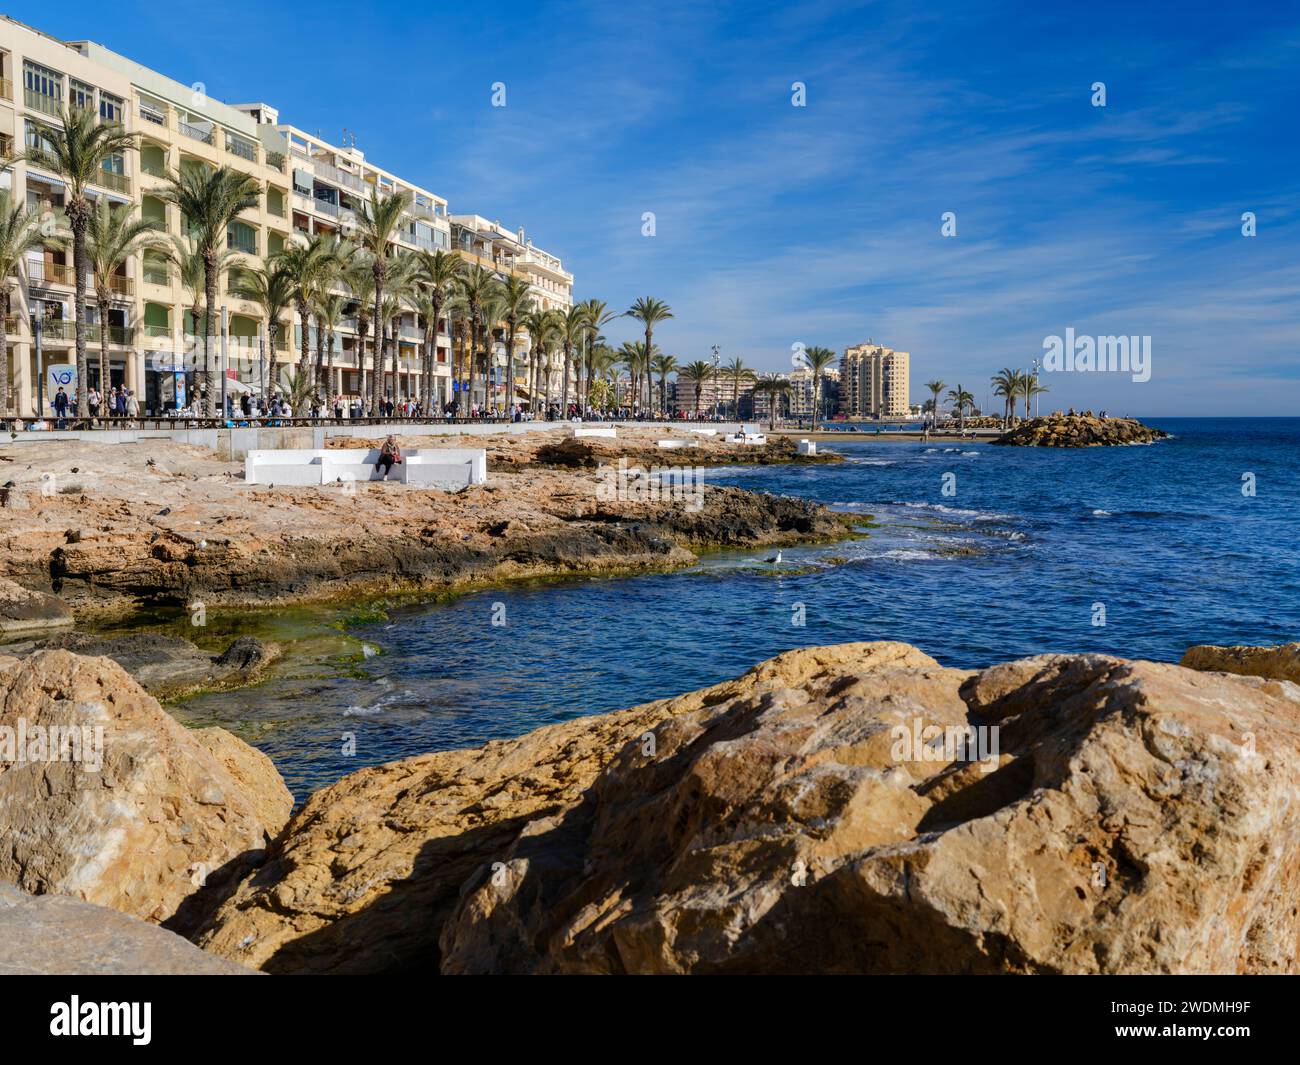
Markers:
242,244
58,329
275,160
119,284
38,101
241,148
326,207
156,115
276,209
340,177
162,332
196,133
117,182
119,335
6,89
43,273
157,274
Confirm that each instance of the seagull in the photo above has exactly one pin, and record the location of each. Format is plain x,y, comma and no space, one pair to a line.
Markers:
774,559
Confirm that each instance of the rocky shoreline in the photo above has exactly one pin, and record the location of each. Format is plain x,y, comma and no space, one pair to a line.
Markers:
810,815
1079,430
125,526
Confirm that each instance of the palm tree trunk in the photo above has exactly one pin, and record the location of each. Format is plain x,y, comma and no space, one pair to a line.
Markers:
318,372
329,371
210,307
4,350
101,302
77,211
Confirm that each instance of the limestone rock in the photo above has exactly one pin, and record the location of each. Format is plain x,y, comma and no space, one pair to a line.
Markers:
144,816
44,935
1279,663
1136,818
370,867
255,774
1079,430
22,609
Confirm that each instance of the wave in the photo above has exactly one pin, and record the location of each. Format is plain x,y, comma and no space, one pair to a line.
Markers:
957,512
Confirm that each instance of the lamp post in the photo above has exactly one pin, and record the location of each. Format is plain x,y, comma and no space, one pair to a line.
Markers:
38,329
1035,394
225,358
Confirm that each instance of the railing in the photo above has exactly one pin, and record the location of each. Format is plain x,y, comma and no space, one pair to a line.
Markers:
43,273
152,114
164,331
119,284
277,210
117,334
58,329
157,274
239,244
204,135
152,170
275,160
108,180
241,148
11,323
38,101
325,207
422,211
332,173
6,88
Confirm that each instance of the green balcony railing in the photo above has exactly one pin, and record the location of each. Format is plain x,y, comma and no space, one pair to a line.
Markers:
163,331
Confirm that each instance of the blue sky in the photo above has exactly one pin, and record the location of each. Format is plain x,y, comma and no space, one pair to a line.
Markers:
778,224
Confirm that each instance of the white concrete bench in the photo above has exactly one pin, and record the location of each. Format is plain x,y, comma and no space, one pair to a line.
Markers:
425,468
678,443
807,447
594,430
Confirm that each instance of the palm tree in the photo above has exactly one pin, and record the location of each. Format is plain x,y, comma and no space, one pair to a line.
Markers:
377,224
518,302
604,364
476,285
1029,388
210,200
632,355
438,273
818,360
329,312
650,312
458,321
271,287
187,257
113,237
739,373
1006,383
598,316
935,387
538,324
699,373
663,365
307,263
572,328
20,232
76,150
359,279
776,388
961,399
402,278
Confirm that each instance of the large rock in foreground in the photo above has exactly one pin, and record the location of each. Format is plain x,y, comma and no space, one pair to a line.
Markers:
1277,663
53,935
1131,818
371,866
1080,430
121,806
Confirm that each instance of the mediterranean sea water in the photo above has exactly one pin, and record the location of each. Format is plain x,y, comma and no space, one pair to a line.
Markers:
1137,551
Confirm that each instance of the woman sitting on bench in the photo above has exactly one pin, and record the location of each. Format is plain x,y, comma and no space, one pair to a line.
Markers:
388,454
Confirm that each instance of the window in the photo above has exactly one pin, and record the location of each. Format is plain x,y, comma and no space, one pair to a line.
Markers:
115,164
110,107
80,95
43,88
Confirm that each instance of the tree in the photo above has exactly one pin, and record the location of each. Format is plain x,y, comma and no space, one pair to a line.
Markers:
961,399
210,200
739,373
271,288
518,302
663,365
818,360
113,236
1007,384
699,373
377,225
20,232
597,316
572,325
936,387
76,150
776,388
307,262
1029,389
359,279
650,312
476,286
540,325
438,273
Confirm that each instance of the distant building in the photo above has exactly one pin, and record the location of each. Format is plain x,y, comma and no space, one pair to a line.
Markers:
875,382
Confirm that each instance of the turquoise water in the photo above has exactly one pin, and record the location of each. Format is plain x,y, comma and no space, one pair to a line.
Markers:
1023,558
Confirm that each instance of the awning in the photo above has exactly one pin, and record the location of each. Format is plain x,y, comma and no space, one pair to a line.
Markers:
500,238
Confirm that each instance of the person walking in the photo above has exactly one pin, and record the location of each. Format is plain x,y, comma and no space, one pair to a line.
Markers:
61,408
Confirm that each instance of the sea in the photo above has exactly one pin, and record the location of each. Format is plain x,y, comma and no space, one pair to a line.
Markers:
974,553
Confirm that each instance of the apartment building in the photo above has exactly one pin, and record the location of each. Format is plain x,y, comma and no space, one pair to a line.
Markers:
309,186
490,245
875,381
330,184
